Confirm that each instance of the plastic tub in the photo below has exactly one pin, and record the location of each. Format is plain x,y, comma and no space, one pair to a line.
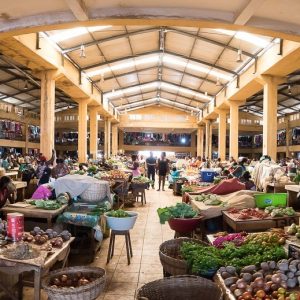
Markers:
207,176
270,199
122,224
182,225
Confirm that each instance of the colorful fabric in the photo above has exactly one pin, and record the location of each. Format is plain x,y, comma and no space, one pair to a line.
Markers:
42,192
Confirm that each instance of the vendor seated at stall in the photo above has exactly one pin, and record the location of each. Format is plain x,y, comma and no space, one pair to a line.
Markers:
246,179
174,174
134,166
8,192
240,169
60,170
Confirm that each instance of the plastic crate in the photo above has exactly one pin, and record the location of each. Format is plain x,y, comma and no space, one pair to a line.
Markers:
270,199
207,176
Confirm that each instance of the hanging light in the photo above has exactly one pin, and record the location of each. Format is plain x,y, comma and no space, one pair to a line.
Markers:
218,83
113,92
82,52
289,90
206,94
191,113
239,56
26,85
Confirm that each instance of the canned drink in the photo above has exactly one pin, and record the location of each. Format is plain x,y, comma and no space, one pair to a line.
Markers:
15,226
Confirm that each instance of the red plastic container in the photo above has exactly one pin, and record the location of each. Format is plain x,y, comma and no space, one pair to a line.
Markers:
185,225
15,226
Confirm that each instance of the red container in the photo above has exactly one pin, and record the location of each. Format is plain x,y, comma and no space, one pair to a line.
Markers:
182,225
15,226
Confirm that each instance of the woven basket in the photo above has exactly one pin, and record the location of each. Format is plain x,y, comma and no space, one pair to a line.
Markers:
170,249
89,291
180,287
95,192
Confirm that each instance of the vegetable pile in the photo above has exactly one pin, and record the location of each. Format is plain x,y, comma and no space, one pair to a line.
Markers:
180,210
266,238
294,230
141,179
267,280
236,238
209,199
72,280
248,213
279,211
202,258
119,213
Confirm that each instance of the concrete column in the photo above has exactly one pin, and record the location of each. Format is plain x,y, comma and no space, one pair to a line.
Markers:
193,144
121,140
82,131
107,138
26,132
200,141
208,138
94,132
288,137
47,111
234,129
222,135
114,139
270,84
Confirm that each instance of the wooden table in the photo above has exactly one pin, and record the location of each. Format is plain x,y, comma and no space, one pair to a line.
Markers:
40,266
34,212
256,225
12,174
275,187
292,199
20,186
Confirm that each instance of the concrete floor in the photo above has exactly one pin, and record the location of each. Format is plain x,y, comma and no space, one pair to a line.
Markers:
124,280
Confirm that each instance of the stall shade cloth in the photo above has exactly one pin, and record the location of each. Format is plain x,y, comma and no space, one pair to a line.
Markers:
75,185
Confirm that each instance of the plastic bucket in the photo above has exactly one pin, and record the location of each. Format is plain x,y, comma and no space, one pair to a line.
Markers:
270,199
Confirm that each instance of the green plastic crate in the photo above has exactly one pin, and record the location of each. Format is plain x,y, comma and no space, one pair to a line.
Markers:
270,199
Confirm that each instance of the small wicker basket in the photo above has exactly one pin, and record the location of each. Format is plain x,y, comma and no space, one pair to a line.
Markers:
167,253
89,291
180,287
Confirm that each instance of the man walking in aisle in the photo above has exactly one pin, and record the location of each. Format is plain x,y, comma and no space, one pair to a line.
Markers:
151,165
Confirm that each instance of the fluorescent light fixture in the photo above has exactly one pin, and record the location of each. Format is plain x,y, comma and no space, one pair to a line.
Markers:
245,36
67,34
195,67
124,65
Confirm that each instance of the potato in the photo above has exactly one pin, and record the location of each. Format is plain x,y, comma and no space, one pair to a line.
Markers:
231,280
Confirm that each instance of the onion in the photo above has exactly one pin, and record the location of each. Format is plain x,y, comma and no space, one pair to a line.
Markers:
276,278
241,284
259,282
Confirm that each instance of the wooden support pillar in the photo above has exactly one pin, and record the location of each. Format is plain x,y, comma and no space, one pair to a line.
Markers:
121,140
288,137
107,138
82,132
222,135
200,141
94,132
114,139
47,111
270,84
234,129
208,138
26,132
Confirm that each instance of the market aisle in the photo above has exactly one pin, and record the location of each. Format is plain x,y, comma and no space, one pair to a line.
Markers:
147,235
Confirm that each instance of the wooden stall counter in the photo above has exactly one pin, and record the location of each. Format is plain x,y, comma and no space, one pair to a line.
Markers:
31,211
276,187
20,187
40,266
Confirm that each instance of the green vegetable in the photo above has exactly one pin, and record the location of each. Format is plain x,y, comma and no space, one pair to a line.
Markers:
202,258
47,204
180,210
120,213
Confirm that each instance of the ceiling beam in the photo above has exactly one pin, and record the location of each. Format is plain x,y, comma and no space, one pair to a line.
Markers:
205,39
78,9
247,12
121,59
16,94
109,39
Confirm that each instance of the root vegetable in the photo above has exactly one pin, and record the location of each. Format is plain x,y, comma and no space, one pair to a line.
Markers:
291,282
231,280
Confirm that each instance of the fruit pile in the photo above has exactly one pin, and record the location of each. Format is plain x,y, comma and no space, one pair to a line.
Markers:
294,230
248,213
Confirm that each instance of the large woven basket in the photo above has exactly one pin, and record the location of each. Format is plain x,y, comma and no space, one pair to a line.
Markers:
180,287
96,191
168,250
89,291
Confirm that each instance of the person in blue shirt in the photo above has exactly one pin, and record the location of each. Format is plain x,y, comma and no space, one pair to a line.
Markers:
174,174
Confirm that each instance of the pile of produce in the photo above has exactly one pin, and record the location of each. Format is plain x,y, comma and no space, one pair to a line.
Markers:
193,187
236,238
280,211
45,204
294,230
72,280
267,280
92,170
41,237
21,251
180,210
266,238
248,213
119,213
141,180
208,199
112,174
202,258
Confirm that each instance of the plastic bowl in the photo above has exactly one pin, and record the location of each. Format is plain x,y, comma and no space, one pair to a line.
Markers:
182,225
122,224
